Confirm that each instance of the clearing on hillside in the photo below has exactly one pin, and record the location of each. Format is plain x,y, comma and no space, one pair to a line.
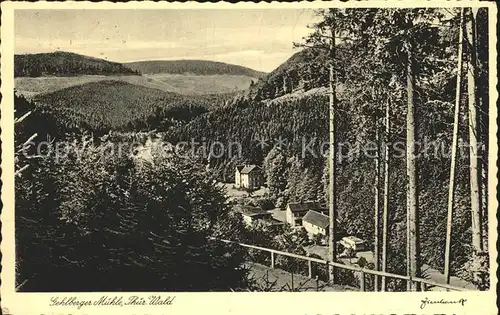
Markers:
176,83
202,84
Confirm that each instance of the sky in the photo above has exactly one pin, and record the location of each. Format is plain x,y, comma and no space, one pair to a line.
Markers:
258,39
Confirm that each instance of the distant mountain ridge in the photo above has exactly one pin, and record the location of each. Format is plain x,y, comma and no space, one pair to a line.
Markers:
67,64
62,64
197,67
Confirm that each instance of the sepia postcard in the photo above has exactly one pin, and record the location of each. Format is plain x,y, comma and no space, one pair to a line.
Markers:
327,158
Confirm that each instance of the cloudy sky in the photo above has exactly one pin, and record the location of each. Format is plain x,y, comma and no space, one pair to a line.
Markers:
259,39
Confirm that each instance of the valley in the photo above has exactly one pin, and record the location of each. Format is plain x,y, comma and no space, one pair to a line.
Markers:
128,101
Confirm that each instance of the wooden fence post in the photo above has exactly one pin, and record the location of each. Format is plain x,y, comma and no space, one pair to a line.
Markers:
309,267
362,281
272,260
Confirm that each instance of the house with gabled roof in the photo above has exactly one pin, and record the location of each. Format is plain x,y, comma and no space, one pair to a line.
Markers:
248,177
296,210
253,214
315,222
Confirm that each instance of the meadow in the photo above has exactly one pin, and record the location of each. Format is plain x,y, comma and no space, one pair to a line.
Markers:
202,84
178,83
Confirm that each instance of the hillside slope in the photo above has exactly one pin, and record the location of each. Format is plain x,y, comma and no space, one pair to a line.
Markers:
65,64
197,67
306,69
176,83
118,105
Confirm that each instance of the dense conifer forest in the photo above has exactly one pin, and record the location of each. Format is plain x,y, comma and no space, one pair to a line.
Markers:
65,64
116,105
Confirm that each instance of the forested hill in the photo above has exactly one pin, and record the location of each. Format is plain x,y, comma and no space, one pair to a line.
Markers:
66,64
198,67
288,103
303,71
116,105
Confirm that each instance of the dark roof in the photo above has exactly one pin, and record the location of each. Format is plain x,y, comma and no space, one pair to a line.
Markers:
273,222
249,168
240,167
303,206
317,219
250,211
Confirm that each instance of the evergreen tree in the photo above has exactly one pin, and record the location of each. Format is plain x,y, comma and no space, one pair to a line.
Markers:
275,166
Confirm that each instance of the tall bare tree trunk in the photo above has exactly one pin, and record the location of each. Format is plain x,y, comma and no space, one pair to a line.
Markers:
376,207
411,170
332,251
483,105
385,214
474,165
484,189
451,189
477,242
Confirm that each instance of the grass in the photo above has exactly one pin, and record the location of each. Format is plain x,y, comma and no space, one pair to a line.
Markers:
181,84
232,192
203,84
50,84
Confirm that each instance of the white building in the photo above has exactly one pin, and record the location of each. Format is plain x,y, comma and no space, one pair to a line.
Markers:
249,177
353,242
296,210
316,223
252,214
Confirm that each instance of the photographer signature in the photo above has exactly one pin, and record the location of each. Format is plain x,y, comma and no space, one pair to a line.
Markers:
427,301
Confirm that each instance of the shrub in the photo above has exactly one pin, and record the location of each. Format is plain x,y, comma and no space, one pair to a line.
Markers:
266,203
109,218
